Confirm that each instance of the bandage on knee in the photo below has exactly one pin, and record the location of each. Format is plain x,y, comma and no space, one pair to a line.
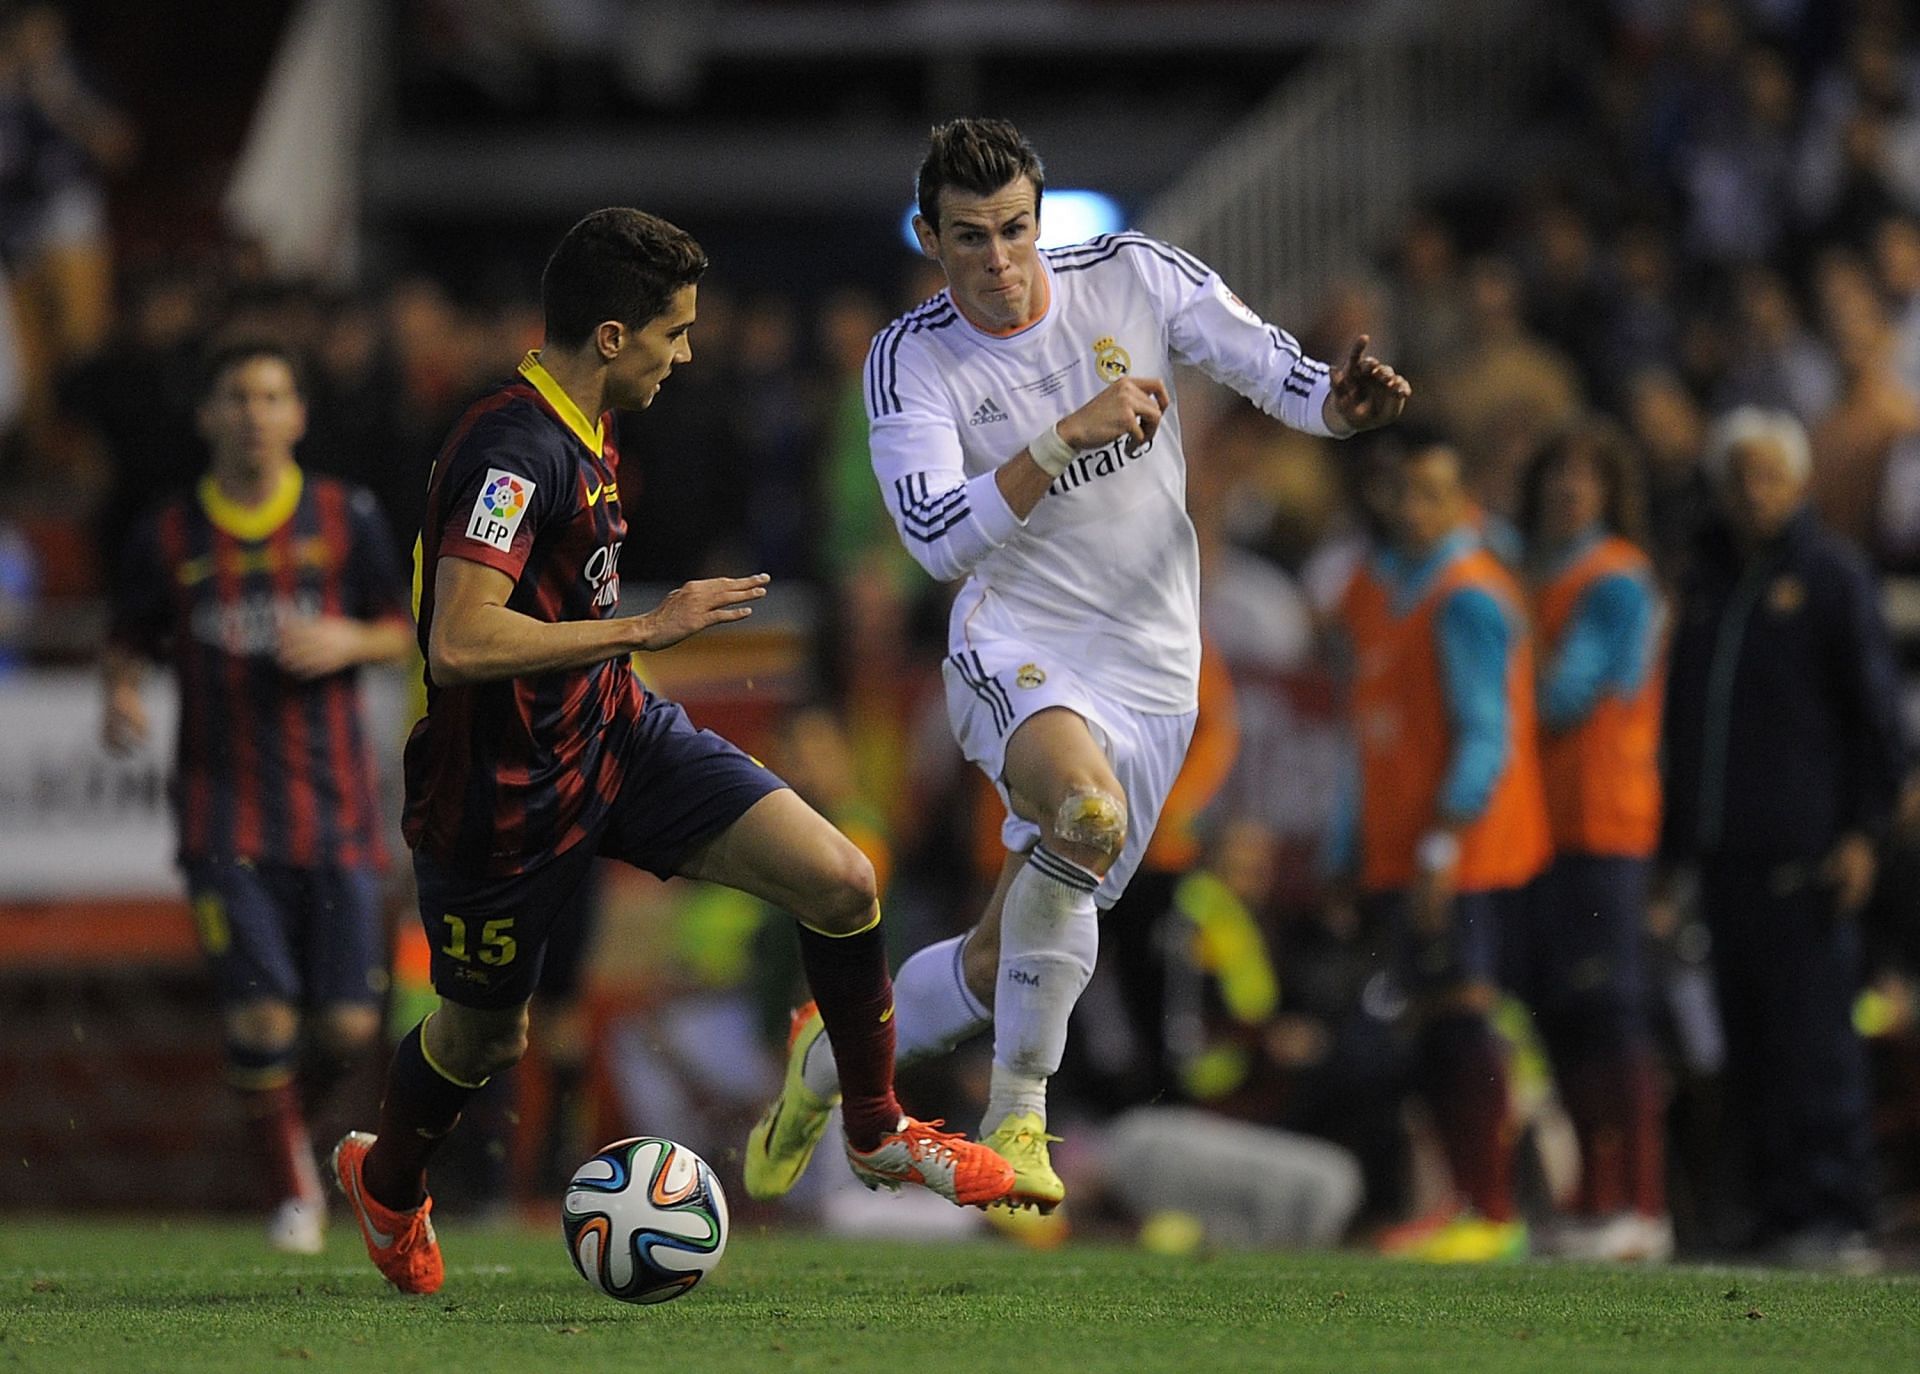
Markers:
1092,817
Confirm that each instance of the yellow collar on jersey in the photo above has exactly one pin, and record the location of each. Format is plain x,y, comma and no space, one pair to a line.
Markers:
252,523
563,406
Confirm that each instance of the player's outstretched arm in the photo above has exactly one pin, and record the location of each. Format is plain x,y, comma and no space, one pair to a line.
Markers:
1131,406
476,637
699,605
318,646
1365,393
123,719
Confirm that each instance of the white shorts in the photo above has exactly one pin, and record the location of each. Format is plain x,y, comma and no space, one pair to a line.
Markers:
995,684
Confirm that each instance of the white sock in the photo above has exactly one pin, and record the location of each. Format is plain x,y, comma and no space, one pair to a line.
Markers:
933,1011
1049,938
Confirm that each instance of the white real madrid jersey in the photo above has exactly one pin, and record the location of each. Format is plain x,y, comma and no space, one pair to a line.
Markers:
1104,574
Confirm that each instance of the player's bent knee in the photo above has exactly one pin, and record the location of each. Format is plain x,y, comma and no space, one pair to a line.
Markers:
843,895
346,1032
474,1045
1094,817
262,1025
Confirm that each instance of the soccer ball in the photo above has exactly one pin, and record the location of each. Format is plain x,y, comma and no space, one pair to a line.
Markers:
645,1219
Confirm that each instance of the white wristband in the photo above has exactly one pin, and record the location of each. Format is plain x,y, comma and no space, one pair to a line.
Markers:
1439,850
1050,452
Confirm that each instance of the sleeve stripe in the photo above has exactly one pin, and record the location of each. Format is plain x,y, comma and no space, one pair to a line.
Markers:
918,502
1107,247
922,504
883,396
1124,239
933,533
924,519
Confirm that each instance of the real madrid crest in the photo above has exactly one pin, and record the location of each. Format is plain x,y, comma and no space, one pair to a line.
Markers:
1031,675
1110,360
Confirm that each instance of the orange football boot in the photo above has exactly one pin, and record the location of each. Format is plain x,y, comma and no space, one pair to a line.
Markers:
401,1245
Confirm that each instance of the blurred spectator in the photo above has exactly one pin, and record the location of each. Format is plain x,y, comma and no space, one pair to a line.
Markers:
1506,389
1876,413
687,508
1431,323
1579,961
1777,363
777,439
1136,932
57,136
1783,753
1565,283
1640,327
1449,824
1896,252
858,533
357,428
1669,429
19,588
136,400
1861,142
1693,90
1737,175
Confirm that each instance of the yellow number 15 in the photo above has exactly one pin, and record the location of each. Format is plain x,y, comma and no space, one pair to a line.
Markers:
497,945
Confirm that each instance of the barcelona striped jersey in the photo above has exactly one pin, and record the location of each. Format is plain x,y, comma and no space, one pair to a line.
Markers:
270,767
505,775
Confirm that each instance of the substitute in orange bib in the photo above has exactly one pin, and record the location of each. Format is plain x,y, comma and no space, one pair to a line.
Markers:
1597,615
1449,821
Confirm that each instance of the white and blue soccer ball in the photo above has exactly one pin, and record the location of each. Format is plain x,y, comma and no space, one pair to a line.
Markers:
645,1219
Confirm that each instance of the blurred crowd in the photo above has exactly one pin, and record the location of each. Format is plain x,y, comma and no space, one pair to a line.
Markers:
1740,227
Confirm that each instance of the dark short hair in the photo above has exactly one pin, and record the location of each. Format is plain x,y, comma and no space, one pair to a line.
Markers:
225,357
977,155
1615,460
616,264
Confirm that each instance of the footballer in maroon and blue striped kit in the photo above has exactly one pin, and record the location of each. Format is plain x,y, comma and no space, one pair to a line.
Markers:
539,750
263,590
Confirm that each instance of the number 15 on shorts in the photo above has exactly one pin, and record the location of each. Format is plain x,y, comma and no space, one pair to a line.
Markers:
495,945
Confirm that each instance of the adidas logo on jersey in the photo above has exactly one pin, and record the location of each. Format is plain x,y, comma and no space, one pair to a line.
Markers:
986,413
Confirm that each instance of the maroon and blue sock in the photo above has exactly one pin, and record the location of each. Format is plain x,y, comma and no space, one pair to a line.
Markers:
850,983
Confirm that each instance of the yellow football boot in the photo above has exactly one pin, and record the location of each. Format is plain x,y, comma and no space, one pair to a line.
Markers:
782,1141
1021,1139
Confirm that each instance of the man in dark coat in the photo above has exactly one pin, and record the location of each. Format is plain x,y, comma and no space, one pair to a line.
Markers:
1783,759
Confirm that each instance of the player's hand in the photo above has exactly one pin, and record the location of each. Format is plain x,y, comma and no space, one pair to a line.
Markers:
1849,871
698,605
1132,406
318,645
1430,901
123,726
1366,392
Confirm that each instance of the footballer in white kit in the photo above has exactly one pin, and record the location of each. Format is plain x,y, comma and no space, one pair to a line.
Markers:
1024,434
1093,602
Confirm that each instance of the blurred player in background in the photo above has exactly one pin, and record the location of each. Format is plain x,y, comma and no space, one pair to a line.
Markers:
264,590
1025,438
1598,618
1450,823
540,749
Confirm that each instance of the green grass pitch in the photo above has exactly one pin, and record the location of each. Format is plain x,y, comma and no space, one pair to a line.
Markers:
192,1295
